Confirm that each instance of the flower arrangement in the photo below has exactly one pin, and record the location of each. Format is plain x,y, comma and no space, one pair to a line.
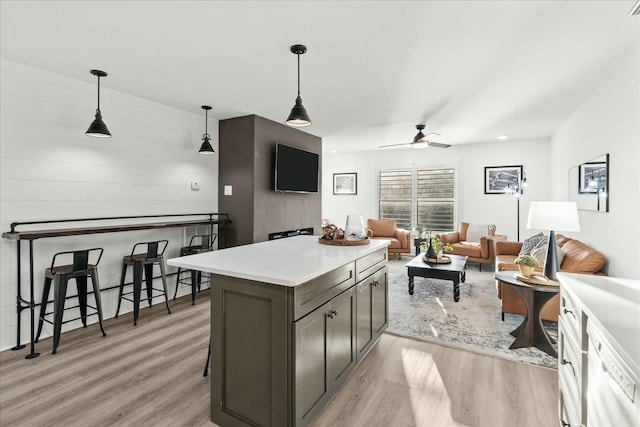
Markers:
437,245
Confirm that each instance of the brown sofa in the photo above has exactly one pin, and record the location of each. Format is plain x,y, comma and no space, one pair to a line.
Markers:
482,254
385,229
578,258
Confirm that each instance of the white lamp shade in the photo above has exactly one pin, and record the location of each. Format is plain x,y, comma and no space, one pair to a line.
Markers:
557,216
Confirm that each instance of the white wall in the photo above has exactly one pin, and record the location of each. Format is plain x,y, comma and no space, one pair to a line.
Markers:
607,122
469,160
51,170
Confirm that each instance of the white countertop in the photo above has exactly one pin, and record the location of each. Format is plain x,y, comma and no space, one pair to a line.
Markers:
614,305
286,262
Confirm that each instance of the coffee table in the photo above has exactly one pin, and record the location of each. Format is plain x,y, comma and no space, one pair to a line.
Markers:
531,332
454,271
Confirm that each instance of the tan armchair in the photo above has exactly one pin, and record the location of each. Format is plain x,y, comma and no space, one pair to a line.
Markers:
386,229
481,251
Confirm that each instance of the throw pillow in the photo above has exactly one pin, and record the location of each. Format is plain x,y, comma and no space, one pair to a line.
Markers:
530,243
540,253
475,232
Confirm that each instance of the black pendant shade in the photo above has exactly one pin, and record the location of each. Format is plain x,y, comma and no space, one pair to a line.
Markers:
98,128
206,147
298,116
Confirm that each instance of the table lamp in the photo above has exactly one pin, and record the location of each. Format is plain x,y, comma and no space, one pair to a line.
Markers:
552,216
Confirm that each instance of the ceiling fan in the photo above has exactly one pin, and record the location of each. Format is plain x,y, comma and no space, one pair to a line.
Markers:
421,140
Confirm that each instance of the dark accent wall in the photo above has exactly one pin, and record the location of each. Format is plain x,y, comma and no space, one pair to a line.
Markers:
247,152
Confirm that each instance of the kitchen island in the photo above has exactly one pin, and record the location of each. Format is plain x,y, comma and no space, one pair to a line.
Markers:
290,319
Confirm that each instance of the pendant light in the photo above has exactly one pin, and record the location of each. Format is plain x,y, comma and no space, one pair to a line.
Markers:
206,147
298,116
97,128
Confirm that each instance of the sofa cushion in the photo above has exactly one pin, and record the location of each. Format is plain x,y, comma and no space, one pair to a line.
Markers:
475,232
382,227
472,251
530,243
580,258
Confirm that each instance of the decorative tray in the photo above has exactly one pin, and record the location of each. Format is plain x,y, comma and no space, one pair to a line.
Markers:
344,242
537,280
442,260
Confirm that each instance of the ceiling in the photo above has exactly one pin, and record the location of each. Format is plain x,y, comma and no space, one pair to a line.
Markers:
470,70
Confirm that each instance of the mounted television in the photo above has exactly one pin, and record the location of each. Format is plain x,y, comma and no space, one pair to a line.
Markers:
296,170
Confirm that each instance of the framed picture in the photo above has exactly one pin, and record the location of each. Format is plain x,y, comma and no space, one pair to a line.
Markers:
345,183
592,177
501,179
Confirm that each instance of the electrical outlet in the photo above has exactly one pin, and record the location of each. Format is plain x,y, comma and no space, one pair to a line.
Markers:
195,186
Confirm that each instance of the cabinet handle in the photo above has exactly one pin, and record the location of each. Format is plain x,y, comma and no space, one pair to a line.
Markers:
565,424
332,314
566,362
567,311
375,283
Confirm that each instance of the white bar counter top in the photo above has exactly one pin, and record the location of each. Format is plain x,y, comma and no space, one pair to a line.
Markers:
614,305
287,262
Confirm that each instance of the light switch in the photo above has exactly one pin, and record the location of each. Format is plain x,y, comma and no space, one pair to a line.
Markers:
228,190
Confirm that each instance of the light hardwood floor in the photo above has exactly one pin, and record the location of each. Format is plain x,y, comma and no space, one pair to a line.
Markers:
151,375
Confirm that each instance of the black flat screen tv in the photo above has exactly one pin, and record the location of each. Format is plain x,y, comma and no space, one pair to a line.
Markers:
296,170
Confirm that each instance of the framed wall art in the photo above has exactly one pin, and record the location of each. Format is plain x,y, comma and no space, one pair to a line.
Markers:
501,179
345,183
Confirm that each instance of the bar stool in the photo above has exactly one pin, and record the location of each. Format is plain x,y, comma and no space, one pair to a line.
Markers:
79,269
143,260
199,243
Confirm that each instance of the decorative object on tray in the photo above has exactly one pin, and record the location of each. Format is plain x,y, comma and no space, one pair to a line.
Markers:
332,235
526,264
537,279
355,229
422,231
434,247
443,259
341,241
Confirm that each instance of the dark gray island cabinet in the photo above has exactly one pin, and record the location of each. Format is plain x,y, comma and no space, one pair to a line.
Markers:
290,319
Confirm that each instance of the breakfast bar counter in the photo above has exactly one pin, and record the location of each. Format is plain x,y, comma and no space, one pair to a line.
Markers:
290,319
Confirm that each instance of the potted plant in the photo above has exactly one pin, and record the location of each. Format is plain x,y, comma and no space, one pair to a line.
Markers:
526,264
422,231
437,246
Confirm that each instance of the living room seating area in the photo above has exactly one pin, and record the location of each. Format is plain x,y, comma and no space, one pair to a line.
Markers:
386,229
577,258
475,241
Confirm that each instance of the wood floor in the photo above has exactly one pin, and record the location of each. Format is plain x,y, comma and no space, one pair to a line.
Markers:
151,375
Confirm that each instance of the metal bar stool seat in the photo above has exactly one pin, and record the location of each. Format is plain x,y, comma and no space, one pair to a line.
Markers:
199,243
80,269
143,257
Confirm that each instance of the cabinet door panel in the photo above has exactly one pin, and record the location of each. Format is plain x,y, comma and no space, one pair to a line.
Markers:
363,310
379,304
310,336
341,355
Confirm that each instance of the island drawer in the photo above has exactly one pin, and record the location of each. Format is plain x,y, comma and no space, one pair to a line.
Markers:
369,264
312,294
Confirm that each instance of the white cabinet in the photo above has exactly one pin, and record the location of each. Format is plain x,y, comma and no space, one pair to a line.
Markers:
599,351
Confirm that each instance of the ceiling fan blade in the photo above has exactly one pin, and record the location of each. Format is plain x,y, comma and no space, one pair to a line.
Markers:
432,133
394,145
437,144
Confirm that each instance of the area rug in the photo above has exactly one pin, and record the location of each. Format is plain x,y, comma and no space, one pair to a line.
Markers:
472,324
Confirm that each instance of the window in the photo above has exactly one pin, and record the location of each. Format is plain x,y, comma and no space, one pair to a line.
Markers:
419,196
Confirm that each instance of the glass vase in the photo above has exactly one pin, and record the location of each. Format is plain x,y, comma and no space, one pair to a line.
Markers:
355,229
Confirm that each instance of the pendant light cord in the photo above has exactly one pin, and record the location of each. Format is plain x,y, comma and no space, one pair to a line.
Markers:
98,110
298,75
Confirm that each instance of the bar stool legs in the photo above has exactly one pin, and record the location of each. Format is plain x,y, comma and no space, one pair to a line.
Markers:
60,276
143,263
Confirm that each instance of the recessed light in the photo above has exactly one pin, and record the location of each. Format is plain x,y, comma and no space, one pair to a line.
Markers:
333,151
503,137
